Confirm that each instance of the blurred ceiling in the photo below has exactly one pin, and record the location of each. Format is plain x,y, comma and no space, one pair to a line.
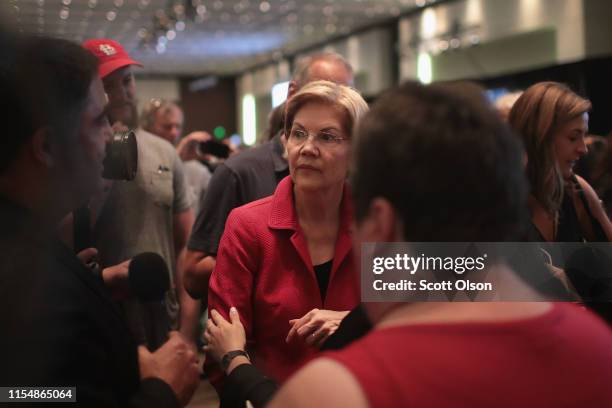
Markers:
191,37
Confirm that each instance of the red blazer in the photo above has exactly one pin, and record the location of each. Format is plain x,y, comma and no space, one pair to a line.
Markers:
264,270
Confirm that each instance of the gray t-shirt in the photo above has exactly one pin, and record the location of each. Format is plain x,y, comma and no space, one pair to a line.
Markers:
137,215
197,176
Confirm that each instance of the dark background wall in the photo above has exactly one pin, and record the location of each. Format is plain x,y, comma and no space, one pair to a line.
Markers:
591,78
211,107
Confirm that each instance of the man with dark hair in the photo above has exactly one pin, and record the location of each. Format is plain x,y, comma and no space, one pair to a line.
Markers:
247,177
61,326
433,165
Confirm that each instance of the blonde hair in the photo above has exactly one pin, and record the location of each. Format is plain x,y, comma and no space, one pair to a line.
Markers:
537,116
342,96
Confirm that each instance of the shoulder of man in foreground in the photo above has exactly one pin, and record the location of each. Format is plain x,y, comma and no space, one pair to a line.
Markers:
245,158
321,383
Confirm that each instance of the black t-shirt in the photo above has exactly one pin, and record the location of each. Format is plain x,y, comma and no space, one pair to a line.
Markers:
246,177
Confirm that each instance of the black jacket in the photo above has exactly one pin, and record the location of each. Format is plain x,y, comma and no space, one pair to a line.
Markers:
62,326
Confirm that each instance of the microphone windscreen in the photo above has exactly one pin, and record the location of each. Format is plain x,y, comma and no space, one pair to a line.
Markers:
149,277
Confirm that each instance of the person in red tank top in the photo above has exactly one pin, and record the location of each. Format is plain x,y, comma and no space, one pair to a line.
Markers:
452,354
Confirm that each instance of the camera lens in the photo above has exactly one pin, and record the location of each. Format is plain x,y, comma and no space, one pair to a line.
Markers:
121,161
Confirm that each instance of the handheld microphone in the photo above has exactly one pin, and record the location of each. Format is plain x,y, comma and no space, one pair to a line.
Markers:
149,281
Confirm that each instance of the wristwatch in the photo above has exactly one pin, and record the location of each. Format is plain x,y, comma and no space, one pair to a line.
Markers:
229,356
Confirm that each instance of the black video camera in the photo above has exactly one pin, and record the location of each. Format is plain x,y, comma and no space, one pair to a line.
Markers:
215,148
121,161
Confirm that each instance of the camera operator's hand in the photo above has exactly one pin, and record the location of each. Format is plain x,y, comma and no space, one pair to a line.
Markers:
187,148
116,279
119,127
175,363
88,255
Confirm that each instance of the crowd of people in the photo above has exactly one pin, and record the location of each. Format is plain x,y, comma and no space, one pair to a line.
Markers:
268,240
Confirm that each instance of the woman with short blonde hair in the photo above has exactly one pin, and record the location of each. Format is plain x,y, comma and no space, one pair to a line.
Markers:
285,262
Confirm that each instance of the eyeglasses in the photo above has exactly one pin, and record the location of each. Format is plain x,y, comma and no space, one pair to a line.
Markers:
328,139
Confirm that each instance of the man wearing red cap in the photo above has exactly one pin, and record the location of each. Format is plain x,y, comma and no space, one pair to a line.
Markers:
151,213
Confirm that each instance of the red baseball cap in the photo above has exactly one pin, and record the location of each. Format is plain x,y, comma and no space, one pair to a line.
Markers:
111,54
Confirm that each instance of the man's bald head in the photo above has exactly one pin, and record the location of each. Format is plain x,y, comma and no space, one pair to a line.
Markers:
328,66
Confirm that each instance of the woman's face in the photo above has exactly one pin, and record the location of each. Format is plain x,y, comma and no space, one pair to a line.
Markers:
318,147
570,144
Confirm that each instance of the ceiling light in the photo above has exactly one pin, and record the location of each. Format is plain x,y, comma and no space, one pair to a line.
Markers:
171,35
111,15
180,26
66,2
64,13
264,6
